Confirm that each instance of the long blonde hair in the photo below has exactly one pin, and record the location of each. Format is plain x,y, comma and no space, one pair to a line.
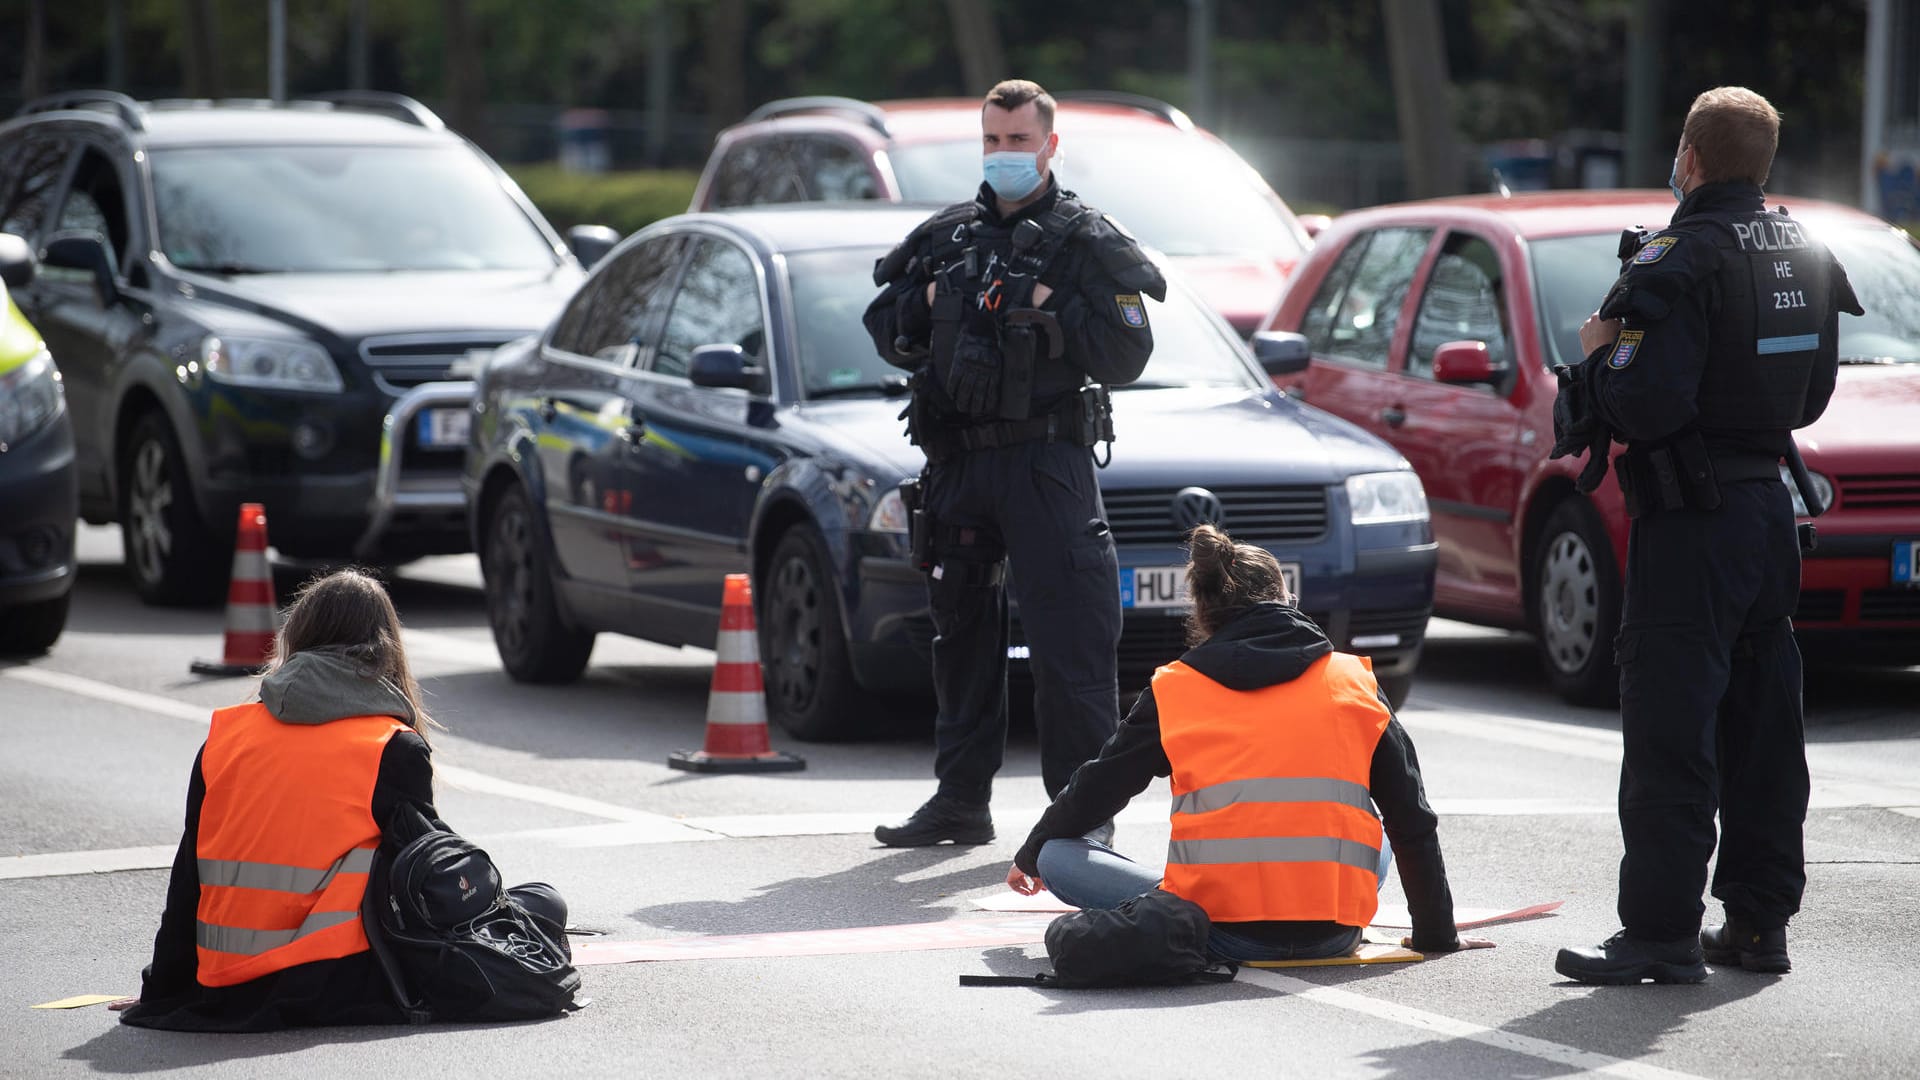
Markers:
348,613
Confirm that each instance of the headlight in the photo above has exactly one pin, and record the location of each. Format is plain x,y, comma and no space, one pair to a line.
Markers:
1377,498
269,362
30,397
889,514
1822,487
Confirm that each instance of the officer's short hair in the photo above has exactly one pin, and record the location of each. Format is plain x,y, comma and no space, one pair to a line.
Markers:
1010,94
1735,131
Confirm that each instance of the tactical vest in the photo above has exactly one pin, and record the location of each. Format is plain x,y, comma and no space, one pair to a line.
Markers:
1272,819
1775,286
286,840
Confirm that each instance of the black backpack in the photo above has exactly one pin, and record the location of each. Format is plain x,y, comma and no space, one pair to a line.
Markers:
454,943
1154,939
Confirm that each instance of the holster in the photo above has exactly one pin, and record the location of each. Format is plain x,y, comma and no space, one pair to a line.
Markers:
1094,419
1017,348
919,525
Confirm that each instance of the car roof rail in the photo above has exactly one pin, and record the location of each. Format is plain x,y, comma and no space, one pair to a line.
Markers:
384,103
865,111
1141,102
127,110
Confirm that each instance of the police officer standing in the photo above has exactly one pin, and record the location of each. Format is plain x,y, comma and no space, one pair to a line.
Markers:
1014,311
1719,338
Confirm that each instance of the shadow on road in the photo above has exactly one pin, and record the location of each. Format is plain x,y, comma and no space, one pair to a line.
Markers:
869,893
122,1049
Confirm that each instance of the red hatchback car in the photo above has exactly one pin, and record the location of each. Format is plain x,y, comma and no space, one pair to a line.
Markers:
1176,187
1435,324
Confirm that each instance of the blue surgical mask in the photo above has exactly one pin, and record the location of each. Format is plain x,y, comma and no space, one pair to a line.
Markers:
1011,174
1673,182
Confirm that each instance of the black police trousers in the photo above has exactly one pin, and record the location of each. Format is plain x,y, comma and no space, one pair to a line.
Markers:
1036,505
1711,716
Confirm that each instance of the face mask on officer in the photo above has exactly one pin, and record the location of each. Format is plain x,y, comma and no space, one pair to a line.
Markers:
1673,179
1017,174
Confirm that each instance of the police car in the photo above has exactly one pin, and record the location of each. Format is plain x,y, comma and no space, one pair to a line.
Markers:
710,402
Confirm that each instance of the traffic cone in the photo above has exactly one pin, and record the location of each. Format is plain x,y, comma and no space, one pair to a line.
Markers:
252,617
737,704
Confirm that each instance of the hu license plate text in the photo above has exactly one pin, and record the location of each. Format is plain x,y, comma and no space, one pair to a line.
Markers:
1166,586
441,428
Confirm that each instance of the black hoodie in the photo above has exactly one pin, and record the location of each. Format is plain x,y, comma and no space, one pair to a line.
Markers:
1265,645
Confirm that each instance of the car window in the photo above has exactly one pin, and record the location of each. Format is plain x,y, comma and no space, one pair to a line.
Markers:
340,209
95,203
1883,266
1465,300
756,172
1358,319
616,315
718,304
1317,323
834,170
29,171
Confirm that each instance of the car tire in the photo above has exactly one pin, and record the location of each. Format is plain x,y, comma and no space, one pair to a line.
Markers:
171,554
1576,604
811,691
535,643
31,629
1396,687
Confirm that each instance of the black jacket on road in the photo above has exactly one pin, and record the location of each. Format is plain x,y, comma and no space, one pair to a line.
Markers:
1266,645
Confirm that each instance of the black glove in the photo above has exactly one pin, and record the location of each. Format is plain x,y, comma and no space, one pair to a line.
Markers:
1573,419
973,379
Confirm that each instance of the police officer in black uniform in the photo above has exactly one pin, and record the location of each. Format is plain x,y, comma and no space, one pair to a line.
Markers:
1719,338
1014,311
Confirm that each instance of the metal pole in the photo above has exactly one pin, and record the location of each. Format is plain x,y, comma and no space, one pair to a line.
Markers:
659,81
1873,114
277,49
359,60
1200,60
1646,29
117,44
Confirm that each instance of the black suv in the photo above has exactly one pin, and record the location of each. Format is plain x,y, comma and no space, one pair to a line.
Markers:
272,303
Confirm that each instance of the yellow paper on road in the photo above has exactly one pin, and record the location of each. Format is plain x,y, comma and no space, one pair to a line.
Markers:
81,1001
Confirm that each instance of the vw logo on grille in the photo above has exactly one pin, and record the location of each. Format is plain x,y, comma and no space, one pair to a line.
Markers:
1196,506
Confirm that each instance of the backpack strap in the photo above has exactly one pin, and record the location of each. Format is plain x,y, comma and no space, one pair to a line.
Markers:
1003,980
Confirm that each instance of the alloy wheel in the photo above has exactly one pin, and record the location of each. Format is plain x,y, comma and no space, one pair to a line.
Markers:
793,617
1569,603
510,567
149,494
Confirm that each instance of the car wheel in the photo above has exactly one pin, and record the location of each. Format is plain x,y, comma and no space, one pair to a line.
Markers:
535,644
811,692
1396,687
170,553
1577,604
31,629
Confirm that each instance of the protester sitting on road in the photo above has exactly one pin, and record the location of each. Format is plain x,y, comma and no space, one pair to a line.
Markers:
1279,748
286,805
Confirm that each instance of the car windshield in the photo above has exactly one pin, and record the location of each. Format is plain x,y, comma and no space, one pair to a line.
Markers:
339,209
1573,273
1181,194
831,289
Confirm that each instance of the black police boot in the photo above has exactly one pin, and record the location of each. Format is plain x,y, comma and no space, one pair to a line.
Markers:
1733,944
1102,833
939,819
1624,960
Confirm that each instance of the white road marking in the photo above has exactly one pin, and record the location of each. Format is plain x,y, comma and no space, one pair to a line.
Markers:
118,695
1436,1024
65,863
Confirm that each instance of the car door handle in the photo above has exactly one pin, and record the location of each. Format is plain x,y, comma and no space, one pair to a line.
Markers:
547,409
633,434
1393,415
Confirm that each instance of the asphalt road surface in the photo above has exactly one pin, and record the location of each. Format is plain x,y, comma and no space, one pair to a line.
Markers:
570,785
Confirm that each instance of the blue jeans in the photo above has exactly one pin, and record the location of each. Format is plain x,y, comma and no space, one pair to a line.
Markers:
1091,875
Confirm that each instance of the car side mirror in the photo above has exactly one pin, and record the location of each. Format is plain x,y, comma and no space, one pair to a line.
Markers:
1281,353
1464,363
84,251
17,264
590,243
1315,224
723,367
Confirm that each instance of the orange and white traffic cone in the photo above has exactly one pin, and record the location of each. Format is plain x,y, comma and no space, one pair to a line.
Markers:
252,617
737,705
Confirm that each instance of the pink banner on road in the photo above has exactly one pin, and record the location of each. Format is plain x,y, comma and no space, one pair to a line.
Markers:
1393,915
906,937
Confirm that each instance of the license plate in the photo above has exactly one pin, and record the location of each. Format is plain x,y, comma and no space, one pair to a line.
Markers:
441,428
1906,563
1166,586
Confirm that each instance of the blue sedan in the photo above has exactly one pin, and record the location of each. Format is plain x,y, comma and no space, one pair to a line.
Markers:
708,402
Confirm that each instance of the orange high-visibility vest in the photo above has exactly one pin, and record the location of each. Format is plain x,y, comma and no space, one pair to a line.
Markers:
286,840
1271,815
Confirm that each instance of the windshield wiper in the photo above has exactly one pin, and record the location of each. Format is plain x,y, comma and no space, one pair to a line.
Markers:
889,386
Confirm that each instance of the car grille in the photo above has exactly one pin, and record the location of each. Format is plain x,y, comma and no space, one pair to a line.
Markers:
1257,514
1887,492
1890,605
1821,605
403,361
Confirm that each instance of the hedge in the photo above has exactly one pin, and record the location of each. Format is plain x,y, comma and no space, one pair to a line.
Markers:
628,201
